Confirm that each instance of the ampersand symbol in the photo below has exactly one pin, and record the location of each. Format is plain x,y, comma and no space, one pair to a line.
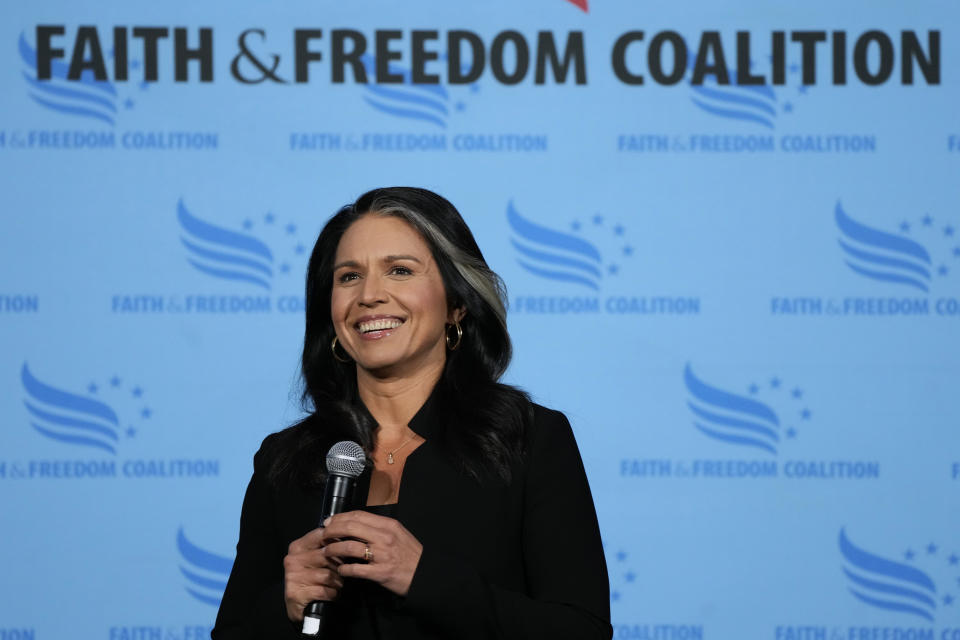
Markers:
249,55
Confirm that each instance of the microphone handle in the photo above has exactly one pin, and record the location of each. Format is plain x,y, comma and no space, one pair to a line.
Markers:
337,497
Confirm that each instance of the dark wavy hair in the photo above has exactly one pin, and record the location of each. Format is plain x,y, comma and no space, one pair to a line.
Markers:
486,418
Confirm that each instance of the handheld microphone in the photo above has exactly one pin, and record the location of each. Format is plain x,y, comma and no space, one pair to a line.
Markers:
345,462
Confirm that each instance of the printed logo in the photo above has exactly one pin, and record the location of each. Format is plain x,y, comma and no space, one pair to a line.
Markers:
564,257
87,97
84,420
740,420
902,587
907,591
908,265
261,255
756,105
431,103
96,424
205,572
590,257
84,100
757,422
887,257
231,255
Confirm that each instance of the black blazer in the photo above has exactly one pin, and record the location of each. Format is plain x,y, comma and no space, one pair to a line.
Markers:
517,560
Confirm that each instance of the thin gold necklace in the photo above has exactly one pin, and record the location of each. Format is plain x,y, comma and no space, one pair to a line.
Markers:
390,453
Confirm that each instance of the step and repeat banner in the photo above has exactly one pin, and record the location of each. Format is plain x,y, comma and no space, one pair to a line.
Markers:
730,234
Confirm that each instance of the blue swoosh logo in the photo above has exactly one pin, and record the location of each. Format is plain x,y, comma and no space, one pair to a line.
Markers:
223,253
887,584
729,417
67,417
882,256
552,254
87,97
408,100
206,572
756,104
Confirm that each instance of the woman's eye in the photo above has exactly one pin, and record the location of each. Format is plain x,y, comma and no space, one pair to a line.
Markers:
347,276
400,271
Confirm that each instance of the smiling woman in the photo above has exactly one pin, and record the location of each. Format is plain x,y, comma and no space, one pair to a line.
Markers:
474,519
388,303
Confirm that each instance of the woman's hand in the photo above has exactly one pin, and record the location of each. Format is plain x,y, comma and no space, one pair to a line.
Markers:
308,574
393,551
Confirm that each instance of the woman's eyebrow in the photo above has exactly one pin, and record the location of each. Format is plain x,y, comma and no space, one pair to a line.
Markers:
346,263
403,257
393,258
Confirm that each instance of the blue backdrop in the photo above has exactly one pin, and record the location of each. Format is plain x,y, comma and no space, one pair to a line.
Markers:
730,236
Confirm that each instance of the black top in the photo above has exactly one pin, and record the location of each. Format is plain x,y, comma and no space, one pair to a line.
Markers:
516,560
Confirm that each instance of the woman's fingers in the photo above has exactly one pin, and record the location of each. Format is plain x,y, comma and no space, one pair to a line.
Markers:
354,524
374,572
311,540
394,552
346,549
306,585
314,567
308,574
310,578
315,559
323,578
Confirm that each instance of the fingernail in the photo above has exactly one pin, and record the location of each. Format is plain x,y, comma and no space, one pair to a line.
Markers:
326,522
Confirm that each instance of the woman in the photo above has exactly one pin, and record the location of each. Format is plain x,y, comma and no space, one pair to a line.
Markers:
478,521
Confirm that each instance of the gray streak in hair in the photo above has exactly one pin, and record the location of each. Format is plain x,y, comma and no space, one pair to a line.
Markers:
480,277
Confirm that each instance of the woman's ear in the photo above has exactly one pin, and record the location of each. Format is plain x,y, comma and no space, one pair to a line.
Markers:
456,314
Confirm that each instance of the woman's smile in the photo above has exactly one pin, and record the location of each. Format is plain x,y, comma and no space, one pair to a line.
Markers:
377,327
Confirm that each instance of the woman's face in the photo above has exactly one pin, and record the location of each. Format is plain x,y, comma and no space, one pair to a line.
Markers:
388,303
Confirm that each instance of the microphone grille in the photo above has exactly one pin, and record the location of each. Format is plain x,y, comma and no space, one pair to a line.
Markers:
346,458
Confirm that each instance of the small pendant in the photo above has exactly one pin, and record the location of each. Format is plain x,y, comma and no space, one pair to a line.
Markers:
390,458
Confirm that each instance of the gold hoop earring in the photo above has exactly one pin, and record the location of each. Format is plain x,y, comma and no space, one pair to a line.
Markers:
333,348
455,345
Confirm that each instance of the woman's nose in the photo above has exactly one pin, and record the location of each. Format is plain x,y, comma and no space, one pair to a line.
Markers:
373,291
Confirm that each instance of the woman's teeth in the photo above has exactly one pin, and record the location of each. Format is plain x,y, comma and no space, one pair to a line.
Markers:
379,325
